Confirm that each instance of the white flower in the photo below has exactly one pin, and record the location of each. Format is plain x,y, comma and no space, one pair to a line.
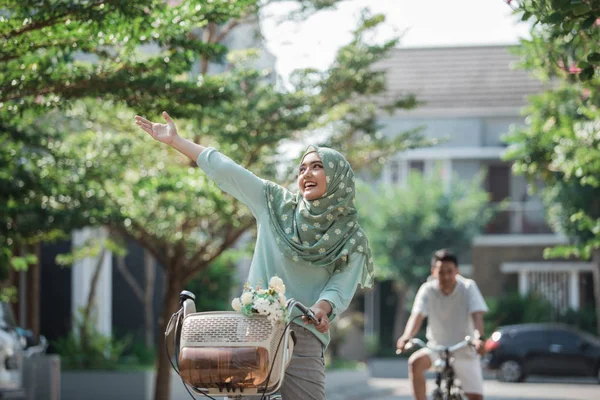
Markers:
277,284
345,251
236,304
284,217
271,197
342,185
304,227
350,224
329,217
359,234
348,190
288,230
341,163
247,298
326,237
331,164
316,203
344,258
322,250
330,208
340,199
360,248
282,299
328,179
261,291
262,306
352,240
317,236
305,213
338,231
295,239
295,257
317,224
341,209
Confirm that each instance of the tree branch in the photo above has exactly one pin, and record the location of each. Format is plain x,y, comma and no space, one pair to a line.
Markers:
129,278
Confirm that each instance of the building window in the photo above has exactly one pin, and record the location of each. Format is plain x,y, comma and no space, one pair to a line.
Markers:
417,166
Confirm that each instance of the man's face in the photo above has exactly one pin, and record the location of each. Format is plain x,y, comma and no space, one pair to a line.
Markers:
311,177
445,272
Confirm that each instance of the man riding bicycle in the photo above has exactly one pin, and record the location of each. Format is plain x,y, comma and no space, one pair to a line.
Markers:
454,308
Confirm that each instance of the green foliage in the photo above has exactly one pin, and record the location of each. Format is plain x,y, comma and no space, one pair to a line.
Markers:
513,308
560,145
516,309
97,351
565,38
214,286
405,225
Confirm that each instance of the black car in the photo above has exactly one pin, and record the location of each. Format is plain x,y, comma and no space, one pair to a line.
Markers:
515,351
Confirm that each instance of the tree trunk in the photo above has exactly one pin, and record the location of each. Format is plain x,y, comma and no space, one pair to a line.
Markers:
596,260
150,272
33,293
173,285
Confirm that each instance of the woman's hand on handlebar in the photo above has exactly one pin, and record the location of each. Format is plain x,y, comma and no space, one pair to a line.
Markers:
321,310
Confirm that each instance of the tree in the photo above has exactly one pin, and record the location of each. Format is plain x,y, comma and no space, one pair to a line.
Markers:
104,173
45,63
407,224
560,144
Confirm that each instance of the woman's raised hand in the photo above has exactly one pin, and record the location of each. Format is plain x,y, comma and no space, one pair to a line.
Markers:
164,133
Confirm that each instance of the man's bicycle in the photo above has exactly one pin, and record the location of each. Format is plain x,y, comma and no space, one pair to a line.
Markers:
447,387
226,354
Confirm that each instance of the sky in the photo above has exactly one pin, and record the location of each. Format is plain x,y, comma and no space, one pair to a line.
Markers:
421,23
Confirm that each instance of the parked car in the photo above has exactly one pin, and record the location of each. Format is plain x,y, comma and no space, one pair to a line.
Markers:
12,346
516,351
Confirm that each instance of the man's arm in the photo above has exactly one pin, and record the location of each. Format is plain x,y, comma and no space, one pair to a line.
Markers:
478,324
412,327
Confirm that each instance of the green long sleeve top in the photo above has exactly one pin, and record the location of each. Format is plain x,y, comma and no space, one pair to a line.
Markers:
305,283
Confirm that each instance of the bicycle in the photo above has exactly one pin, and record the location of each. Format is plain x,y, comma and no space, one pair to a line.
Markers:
444,370
226,354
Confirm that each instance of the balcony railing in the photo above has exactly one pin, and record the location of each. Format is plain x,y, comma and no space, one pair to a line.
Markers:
518,218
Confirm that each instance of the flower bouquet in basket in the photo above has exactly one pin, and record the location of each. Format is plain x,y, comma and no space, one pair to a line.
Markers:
270,302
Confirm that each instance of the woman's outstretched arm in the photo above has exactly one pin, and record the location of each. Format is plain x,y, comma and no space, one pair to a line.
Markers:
167,133
231,177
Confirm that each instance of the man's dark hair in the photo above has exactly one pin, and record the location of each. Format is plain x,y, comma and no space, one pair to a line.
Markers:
443,255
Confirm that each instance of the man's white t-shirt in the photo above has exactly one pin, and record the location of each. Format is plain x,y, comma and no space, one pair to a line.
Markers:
449,316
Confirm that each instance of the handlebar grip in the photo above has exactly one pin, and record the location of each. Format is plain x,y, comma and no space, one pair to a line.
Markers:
307,311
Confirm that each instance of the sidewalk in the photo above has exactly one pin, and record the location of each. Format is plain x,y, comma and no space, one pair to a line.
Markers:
352,385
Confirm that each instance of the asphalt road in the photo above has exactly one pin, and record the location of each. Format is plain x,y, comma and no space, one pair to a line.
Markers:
535,389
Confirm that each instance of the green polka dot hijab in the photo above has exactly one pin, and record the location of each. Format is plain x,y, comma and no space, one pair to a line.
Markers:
323,232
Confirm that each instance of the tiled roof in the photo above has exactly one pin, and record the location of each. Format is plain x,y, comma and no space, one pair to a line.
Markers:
459,77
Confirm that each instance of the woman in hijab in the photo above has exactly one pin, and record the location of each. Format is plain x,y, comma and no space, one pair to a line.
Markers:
310,239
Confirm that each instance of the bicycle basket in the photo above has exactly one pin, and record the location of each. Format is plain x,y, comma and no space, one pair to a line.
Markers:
230,352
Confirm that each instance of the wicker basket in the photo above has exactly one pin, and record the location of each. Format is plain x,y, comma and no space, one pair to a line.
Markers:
227,353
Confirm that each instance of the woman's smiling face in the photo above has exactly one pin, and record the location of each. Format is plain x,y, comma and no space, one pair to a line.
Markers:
312,180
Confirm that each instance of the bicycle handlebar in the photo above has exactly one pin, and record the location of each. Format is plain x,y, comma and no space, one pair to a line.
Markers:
438,349
291,303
